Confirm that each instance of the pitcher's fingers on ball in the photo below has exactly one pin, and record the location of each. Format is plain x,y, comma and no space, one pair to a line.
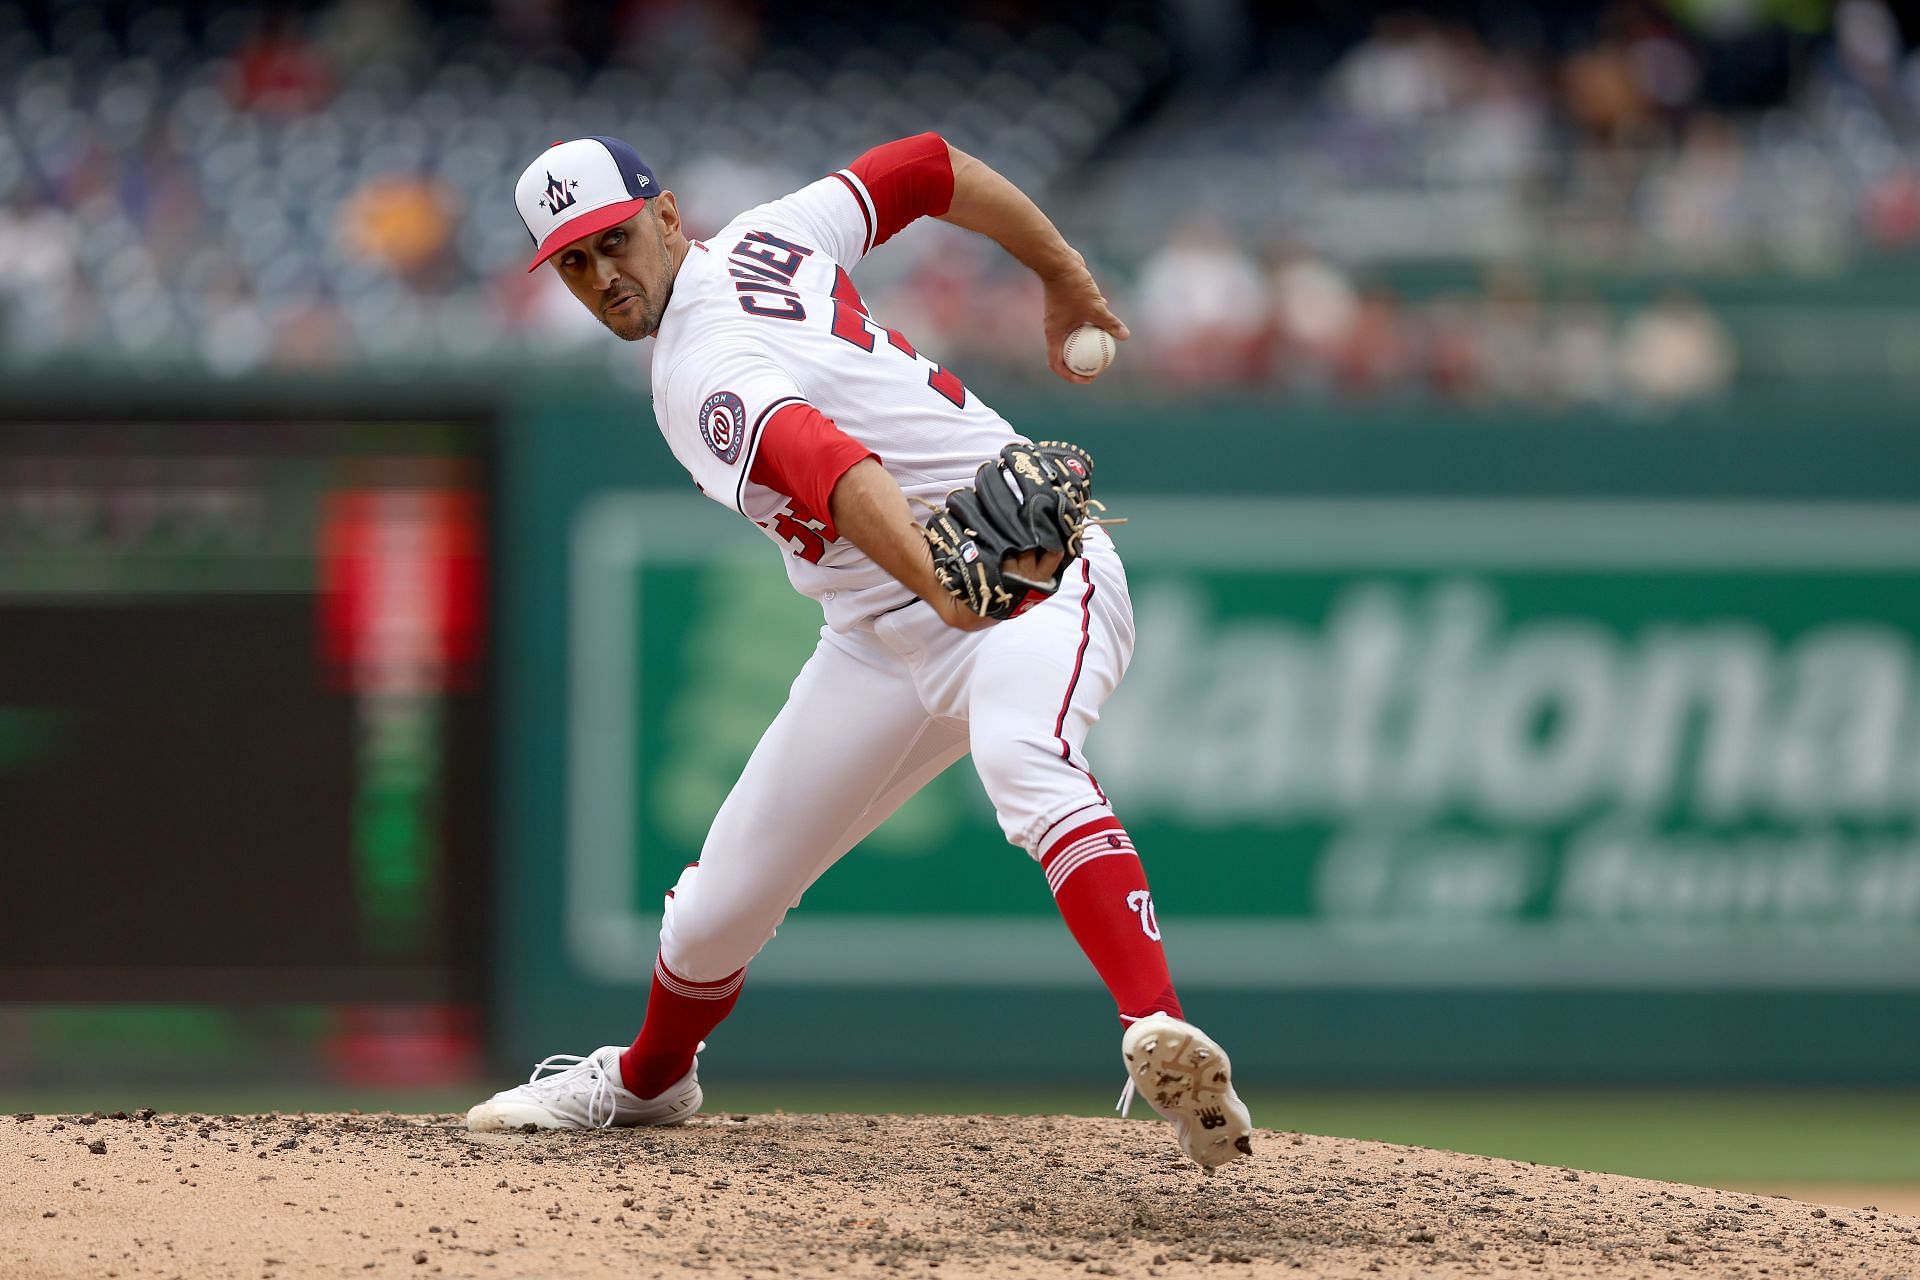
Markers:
1087,351
1059,367
1056,362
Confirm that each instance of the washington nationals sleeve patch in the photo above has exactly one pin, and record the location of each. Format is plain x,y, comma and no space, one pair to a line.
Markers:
723,425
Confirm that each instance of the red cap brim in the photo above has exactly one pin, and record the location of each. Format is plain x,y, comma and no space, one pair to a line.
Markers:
587,224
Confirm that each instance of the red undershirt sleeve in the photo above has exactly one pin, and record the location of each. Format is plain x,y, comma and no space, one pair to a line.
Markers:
908,179
803,455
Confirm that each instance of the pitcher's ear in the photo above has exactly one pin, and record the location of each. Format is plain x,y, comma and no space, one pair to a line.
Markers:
667,209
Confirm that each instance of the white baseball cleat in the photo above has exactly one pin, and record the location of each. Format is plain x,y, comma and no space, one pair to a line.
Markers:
1186,1077
584,1093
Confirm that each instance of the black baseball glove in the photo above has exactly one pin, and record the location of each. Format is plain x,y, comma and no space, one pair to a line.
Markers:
1033,498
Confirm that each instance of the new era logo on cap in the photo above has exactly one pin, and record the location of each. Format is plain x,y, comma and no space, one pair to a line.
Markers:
578,188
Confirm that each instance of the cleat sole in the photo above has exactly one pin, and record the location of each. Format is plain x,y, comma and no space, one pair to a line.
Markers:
1189,1080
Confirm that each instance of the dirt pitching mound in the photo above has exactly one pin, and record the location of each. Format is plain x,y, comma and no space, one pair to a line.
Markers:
803,1195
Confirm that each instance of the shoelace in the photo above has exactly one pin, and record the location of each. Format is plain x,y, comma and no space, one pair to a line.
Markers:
562,1064
1126,1099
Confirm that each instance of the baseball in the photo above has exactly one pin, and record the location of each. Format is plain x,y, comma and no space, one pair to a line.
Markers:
1087,350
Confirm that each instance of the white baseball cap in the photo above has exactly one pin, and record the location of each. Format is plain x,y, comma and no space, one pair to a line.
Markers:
580,188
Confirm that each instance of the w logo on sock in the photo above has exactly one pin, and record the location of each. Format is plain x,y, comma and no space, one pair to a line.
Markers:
1140,902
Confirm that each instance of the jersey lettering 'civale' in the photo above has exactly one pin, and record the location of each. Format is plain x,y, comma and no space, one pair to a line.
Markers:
764,318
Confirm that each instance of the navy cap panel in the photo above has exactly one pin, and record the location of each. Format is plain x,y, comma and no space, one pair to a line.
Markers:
641,184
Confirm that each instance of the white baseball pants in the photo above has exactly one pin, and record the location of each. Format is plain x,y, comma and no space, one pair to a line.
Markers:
876,714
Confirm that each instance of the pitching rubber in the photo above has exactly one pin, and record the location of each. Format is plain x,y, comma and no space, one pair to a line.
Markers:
1188,1079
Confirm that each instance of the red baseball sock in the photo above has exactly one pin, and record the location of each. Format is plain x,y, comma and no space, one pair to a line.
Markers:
680,1014
1101,890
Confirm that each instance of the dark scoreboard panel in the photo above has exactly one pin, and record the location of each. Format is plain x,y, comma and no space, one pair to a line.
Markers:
244,710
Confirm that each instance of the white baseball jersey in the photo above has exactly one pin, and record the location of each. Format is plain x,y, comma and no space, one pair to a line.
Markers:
765,339
762,315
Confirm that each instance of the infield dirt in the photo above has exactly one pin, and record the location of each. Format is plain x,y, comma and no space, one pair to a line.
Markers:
809,1195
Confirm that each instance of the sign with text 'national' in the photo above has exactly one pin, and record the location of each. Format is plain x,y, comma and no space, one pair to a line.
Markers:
1511,744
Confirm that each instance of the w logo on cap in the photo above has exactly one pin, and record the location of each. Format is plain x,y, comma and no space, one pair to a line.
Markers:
605,184
559,194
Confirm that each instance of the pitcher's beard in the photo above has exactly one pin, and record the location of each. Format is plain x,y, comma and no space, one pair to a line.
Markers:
632,324
641,319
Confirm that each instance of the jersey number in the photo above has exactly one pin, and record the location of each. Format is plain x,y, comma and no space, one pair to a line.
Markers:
850,324
801,530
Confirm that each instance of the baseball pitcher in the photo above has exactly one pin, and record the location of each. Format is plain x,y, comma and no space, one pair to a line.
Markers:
973,603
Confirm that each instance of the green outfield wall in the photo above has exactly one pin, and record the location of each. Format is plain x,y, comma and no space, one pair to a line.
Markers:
1550,749
1460,747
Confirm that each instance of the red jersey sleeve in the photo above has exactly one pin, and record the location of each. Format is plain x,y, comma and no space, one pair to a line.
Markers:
900,181
803,455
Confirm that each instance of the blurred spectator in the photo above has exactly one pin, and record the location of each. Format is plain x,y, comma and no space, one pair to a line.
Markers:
1502,133
310,333
1675,351
277,71
348,166
1867,44
38,247
44,302
1408,69
1314,310
1451,358
1893,209
1314,303
1603,96
1697,205
1581,356
1202,305
1664,68
233,330
1373,355
398,222
1513,336
360,33
161,199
